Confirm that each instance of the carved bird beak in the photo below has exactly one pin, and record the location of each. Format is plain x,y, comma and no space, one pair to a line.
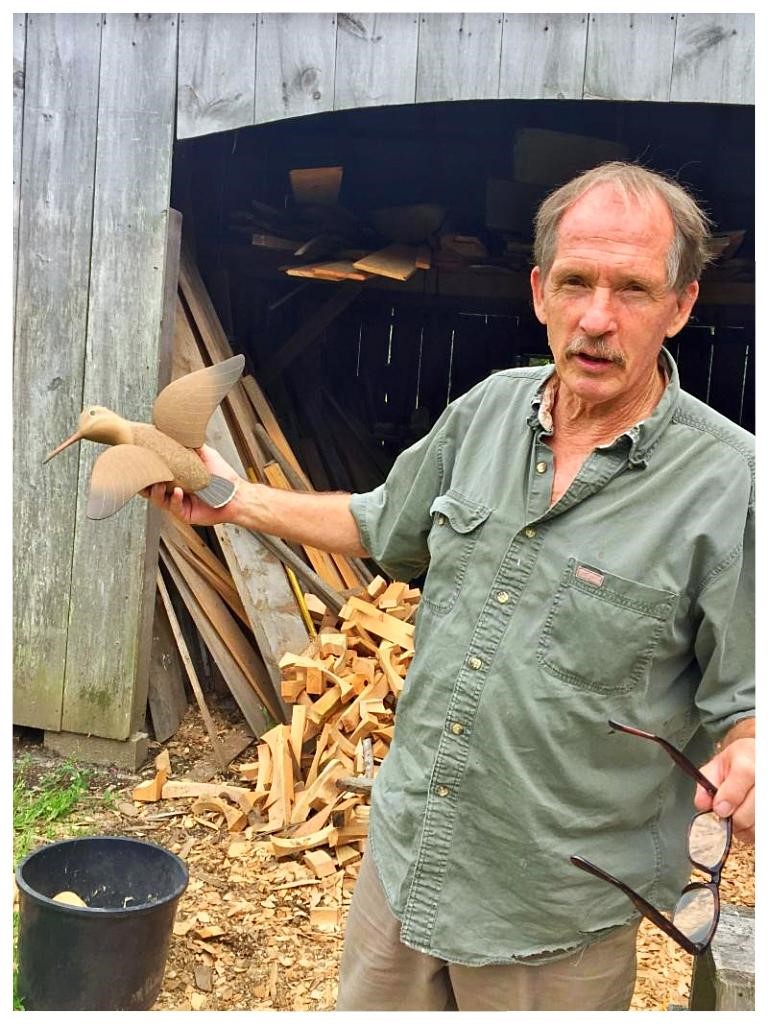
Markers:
77,436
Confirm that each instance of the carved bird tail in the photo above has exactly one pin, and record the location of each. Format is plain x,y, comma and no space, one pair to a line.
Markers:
218,492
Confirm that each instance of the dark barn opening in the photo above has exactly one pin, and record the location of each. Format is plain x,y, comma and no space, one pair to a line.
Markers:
373,363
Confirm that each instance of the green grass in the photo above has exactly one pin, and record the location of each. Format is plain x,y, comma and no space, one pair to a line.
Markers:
37,809
39,814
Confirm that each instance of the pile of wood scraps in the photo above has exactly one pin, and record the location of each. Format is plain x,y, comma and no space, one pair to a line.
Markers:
312,776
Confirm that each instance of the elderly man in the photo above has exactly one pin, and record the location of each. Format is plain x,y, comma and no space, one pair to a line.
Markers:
586,530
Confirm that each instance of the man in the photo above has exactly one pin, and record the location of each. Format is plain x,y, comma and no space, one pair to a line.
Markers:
586,533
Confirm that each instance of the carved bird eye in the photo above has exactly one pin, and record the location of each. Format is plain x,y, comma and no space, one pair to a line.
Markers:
91,412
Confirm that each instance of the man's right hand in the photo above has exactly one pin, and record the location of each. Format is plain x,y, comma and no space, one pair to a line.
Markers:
191,509
323,520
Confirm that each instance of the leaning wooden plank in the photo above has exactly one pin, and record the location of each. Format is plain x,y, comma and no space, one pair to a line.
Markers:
395,261
221,620
181,643
308,576
353,571
264,411
320,560
195,321
222,585
240,687
259,577
342,297
167,697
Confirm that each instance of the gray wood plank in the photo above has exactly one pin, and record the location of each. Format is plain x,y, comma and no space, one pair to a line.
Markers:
724,975
55,219
19,42
295,65
259,577
629,56
217,73
109,589
375,60
167,695
459,57
714,59
542,56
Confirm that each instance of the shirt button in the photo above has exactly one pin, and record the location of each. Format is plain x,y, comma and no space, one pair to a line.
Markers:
541,467
475,663
530,532
502,597
457,728
442,791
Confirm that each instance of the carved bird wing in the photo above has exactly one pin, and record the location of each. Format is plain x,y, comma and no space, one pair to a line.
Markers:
118,474
182,410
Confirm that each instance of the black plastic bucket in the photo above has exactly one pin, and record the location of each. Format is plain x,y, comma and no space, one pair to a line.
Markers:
110,954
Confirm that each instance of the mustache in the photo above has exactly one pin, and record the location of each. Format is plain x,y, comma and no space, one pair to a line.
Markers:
597,347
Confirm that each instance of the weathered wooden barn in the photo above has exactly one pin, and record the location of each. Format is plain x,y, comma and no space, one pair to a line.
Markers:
121,118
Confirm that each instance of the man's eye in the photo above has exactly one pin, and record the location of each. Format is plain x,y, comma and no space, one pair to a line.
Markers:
634,286
573,282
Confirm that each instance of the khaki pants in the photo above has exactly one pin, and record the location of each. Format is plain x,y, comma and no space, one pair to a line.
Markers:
379,973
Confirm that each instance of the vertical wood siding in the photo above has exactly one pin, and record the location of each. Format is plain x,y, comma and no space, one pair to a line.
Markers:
542,56
295,65
629,56
375,60
714,58
122,357
459,57
19,42
55,221
308,63
217,68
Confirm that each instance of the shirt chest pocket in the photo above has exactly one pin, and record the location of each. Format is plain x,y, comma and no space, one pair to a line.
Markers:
457,523
602,630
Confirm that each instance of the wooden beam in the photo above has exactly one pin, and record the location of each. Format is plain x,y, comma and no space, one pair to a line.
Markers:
241,688
181,643
344,295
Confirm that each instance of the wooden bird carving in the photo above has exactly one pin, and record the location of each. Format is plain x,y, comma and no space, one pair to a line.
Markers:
143,454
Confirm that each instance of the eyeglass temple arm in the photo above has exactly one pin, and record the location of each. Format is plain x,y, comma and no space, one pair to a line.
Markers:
688,766
646,909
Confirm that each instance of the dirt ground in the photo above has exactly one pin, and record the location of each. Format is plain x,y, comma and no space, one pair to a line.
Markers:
243,938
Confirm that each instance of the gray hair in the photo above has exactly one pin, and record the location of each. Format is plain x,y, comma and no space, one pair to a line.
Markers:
690,250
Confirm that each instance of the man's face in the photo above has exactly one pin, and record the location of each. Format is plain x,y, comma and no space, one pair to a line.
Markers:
605,301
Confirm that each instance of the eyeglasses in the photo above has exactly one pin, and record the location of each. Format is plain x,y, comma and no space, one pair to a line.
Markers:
695,917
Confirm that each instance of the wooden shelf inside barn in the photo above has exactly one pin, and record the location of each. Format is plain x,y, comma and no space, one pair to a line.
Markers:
395,248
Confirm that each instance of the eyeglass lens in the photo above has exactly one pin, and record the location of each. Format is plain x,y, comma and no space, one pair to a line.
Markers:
695,913
707,846
708,841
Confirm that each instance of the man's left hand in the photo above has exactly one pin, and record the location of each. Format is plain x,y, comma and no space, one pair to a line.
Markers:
732,770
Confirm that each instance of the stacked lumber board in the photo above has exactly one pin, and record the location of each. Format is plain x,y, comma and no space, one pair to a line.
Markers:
310,781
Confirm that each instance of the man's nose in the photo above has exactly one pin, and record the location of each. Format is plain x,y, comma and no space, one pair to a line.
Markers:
599,315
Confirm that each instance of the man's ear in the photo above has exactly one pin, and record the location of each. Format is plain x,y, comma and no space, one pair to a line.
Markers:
685,303
537,291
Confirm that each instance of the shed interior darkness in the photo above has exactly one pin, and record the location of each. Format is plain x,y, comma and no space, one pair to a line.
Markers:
381,372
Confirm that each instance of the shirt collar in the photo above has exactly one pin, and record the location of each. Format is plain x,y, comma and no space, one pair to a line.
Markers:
643,436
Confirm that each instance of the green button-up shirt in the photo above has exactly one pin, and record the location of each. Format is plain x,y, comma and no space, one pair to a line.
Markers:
629,598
